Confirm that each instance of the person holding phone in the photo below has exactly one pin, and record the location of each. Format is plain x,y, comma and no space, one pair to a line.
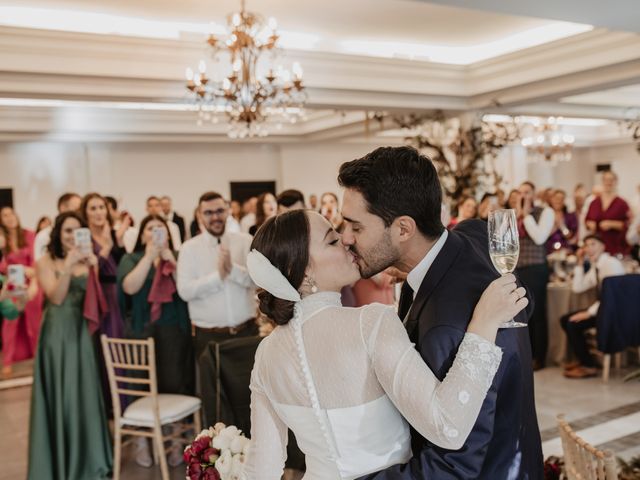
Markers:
153,308
19,337
68,432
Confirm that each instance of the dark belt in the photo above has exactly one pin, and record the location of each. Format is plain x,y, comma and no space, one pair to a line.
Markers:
229,330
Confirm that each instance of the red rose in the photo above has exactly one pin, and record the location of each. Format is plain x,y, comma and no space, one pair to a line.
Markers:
209,453
194,471
211,474
200,445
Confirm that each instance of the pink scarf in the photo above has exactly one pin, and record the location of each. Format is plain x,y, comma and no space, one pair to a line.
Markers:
162,288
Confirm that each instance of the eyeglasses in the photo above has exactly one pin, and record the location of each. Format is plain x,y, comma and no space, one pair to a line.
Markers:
218,213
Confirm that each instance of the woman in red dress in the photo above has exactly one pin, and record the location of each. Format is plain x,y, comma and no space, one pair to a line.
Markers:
609,216
19,336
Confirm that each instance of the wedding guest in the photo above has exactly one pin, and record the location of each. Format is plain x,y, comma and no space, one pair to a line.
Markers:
608,216
170,215
575,324
330,209
232,224
154,309
153,207
235,210
196,224
466,208
249,208
68,433
488,203
535,225
43,222
565,227
290,200
579,198
213,280
377,289
501,195
20,336
67,202
313,201
633,237
267,207
108,248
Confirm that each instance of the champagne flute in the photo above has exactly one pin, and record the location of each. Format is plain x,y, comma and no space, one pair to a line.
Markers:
504,247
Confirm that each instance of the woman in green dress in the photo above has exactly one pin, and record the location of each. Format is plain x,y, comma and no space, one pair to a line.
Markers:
68,436
153,309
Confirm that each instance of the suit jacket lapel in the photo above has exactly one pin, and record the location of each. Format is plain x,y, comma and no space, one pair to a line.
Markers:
441,264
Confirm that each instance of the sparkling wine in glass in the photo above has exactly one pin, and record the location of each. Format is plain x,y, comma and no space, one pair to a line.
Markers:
504,247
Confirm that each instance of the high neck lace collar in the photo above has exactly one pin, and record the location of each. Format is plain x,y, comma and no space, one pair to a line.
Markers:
318,301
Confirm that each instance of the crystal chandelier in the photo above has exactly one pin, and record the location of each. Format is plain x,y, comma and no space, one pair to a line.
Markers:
250,91
548,143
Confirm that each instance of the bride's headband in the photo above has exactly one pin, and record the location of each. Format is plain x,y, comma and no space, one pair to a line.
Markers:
269,278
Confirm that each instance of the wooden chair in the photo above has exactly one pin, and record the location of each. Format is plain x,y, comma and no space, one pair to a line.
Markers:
131,368
581,460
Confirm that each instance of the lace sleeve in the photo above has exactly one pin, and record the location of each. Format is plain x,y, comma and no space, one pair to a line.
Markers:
268,450
443,412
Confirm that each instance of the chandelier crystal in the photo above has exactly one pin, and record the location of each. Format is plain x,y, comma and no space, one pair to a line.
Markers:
251,89
547,142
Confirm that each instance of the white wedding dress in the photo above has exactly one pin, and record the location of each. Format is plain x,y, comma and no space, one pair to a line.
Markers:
342,379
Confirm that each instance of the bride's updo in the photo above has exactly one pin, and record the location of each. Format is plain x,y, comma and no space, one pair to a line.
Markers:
284,240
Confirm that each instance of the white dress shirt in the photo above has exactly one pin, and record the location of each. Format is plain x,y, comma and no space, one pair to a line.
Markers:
214,302
416,276
131,236
540,231
40,243
632,234
248,221
606,266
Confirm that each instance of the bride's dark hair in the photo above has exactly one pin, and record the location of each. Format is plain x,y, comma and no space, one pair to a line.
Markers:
284,240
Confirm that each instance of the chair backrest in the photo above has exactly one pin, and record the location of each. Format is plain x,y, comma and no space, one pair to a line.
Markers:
581,460
131,369
618,320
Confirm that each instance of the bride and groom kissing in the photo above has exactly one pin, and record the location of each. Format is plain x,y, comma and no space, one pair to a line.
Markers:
435,391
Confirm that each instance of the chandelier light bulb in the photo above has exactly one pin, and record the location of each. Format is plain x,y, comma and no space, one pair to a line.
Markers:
237,65
286,76
297,71
202,67
189,74
236,20
226,84
273,24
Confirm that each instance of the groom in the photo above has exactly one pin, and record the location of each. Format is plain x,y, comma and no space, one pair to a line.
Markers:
391,207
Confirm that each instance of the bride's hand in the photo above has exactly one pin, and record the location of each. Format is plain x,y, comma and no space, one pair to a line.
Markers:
501,301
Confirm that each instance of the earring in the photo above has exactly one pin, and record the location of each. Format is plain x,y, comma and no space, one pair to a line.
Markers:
313,287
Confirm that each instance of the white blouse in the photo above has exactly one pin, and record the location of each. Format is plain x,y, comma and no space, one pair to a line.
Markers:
342,379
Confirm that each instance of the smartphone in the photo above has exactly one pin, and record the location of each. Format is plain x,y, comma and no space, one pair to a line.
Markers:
82,239
16,276
159,235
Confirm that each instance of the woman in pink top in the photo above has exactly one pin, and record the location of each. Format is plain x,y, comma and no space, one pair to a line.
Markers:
19,336
609,216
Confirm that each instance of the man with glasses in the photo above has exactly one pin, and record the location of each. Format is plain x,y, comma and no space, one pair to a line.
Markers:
213,280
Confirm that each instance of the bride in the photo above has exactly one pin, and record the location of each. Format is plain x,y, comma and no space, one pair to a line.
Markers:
345,379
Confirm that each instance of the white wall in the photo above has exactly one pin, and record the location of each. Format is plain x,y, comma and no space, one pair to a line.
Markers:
40,172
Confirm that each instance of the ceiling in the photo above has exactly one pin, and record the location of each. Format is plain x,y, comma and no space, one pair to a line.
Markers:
116,68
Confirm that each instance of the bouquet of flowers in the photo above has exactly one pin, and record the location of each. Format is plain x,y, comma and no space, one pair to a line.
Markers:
217,453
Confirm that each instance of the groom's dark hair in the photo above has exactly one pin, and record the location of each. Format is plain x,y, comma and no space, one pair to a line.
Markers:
396,181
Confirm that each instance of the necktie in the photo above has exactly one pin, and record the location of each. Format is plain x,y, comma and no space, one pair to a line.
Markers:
406,299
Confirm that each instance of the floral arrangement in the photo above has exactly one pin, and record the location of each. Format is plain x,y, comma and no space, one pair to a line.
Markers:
554,468
217,453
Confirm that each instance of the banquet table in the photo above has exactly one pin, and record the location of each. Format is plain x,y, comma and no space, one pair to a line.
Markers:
560,301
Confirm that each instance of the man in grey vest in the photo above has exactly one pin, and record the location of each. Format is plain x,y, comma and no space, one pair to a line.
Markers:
535,224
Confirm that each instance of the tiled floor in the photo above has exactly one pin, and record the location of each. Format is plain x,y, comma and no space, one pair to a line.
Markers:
605,414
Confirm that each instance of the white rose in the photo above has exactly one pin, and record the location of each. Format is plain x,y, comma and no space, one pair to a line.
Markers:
231,430
237,467
247,447
221,442
237,444
224,463
218,427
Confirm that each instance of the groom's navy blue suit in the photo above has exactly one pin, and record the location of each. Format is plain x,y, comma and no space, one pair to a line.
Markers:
505,441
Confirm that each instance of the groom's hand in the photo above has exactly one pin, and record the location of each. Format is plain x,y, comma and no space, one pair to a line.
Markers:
396,275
